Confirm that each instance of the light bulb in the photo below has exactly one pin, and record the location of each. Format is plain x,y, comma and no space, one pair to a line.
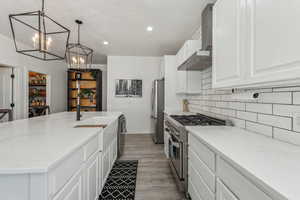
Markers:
45,45
81,60
74,60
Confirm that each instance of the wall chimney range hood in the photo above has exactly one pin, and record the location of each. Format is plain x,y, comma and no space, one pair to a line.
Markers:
202,58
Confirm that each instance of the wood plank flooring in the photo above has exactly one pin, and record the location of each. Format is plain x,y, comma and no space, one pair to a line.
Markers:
154,179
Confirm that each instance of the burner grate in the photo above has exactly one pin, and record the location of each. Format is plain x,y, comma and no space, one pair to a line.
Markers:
198,120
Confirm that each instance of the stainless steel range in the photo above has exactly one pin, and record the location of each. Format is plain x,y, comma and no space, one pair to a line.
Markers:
178,143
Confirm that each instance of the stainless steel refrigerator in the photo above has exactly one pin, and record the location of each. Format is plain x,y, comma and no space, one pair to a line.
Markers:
158,106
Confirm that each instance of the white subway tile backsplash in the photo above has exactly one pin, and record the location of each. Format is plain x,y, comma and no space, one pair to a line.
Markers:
229,112
286,89
287,136
259,108
277,121
259,128
246,116
296,98
272,114
237,106
222,104
238,122
286,110
276,97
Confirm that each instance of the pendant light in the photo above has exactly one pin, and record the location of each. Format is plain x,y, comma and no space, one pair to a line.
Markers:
78,55
39,36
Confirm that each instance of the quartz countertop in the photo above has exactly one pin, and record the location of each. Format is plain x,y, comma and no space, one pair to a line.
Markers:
273,164
37,144
177,112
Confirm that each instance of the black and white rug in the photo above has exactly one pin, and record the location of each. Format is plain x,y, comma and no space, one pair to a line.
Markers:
121,182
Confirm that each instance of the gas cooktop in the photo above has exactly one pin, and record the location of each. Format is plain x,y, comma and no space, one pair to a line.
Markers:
198,120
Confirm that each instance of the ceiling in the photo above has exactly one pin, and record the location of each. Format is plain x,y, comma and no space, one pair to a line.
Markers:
122,23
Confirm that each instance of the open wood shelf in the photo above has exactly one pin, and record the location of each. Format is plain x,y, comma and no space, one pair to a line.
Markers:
36,85
83,80
87,82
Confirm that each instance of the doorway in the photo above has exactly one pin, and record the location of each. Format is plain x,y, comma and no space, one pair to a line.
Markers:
6,93
38,94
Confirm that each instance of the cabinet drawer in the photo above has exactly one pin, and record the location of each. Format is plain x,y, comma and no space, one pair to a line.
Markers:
203,152
91,147
207,175
73,189
238,184
60,175
199,184
192,192
223,193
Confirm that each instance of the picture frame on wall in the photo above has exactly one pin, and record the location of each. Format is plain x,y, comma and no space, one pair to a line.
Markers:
129,88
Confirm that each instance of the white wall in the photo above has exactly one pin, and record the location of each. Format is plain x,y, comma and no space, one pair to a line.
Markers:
55,69
136,110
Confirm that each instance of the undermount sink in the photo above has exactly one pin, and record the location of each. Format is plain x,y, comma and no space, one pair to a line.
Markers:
94,122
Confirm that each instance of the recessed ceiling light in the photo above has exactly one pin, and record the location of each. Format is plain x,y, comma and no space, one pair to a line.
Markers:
105,42
149,28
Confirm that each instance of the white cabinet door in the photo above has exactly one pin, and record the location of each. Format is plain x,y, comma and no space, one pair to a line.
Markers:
194,82
223,193
273,40
113,152
100,183
105,165
181,82
73,190
92,178
228,42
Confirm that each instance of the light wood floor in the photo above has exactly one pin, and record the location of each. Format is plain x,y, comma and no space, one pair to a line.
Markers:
154,179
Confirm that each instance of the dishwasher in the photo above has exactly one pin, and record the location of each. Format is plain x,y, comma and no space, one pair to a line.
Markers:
122,130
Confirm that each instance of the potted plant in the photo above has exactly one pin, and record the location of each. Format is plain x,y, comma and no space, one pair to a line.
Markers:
87,93
94,74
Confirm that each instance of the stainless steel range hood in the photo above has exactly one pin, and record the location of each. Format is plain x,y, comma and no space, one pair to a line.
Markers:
202,58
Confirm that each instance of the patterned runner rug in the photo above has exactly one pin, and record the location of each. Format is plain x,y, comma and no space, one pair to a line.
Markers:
121,182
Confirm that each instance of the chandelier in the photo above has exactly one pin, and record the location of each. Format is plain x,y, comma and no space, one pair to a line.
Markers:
39,36
79,56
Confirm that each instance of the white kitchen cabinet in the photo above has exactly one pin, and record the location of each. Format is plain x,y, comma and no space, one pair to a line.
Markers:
92,177
228,54
100,183
187,50
223,192
105,165
273,40
210,176
194,82
181,84
189,82
73,190
254,45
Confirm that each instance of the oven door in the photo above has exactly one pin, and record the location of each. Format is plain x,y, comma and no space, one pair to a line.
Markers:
176,155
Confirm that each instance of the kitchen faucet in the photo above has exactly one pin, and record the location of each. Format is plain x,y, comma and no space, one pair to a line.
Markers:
78,78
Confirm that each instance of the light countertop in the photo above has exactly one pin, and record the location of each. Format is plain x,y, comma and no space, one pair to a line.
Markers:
177,112
35,145
273,164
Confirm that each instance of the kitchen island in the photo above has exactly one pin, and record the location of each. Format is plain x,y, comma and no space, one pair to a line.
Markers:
47,158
